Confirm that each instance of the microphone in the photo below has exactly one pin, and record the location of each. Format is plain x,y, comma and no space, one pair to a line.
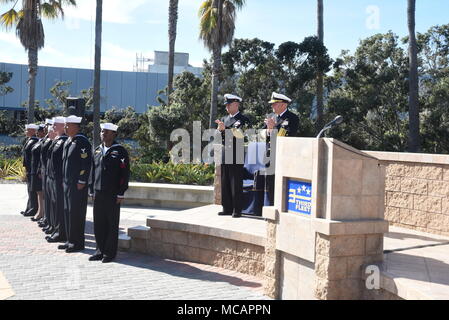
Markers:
333,123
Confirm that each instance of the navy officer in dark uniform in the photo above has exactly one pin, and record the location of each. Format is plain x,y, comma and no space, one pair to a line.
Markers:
32,204
36,175
55,181
281,123
46,143
108,183
232,168
76,165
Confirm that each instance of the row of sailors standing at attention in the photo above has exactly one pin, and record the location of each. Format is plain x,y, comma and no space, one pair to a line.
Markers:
62,170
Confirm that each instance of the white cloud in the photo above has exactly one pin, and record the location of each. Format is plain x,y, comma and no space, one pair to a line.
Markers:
115,57
10,38
114,11
156,21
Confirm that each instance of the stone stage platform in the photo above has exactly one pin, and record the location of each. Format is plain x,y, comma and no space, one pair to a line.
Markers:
416,265
200,235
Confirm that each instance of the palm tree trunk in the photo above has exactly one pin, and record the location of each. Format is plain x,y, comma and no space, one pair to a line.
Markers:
216,65
97,72
215,85
32,72
320,78
413,137
172,22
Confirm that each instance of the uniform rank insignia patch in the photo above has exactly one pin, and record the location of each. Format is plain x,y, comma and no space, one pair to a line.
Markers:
83,153
122,164
82,172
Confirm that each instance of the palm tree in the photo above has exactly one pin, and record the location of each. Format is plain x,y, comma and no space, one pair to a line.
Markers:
414,143
172,22
217,25
30,31
320,81
97,72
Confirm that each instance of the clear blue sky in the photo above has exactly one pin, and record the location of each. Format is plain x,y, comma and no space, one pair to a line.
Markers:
140,26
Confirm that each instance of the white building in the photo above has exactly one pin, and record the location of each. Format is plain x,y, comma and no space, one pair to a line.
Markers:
160,64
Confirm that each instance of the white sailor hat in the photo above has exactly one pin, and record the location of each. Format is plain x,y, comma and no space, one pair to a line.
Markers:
277,97
108,126
41,126
58,120
49,121
230,98
73,119
32,126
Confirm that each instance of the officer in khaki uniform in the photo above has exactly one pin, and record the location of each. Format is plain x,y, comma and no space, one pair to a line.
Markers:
77,160
108,183
282,122
231,169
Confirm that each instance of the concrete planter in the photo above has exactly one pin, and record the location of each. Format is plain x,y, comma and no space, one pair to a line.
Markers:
175,196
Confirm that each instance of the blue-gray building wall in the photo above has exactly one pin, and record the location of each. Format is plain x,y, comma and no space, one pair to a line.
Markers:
118,88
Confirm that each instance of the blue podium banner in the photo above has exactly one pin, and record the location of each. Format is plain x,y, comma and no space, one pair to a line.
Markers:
299,198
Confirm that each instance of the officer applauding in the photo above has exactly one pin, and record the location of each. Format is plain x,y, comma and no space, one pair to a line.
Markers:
76,165
231,168
32,204
108,183
286,124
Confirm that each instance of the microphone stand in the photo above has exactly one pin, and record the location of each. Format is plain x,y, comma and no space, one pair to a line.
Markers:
336,121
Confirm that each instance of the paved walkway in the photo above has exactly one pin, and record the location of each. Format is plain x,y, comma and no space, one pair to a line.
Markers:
416,264
37,270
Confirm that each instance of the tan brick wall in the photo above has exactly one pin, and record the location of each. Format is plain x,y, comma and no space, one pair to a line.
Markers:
339,264
186,246
417,195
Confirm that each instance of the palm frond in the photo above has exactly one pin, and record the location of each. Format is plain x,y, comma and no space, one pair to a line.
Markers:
10,18
50,11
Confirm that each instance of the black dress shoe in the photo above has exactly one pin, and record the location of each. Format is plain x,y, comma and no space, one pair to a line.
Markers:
54,239
107,259
236,215
73,249
96,257
224,213
30,214
34,220
63,246
49,231
22,212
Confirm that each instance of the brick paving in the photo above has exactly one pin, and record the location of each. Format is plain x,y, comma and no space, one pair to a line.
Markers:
37,270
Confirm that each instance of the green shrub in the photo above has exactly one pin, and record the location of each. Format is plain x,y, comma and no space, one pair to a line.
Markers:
160,172
11,151
12,169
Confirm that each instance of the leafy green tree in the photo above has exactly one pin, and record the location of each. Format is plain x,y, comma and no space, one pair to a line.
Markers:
5,77
258,69
127,119
433,50
369,89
